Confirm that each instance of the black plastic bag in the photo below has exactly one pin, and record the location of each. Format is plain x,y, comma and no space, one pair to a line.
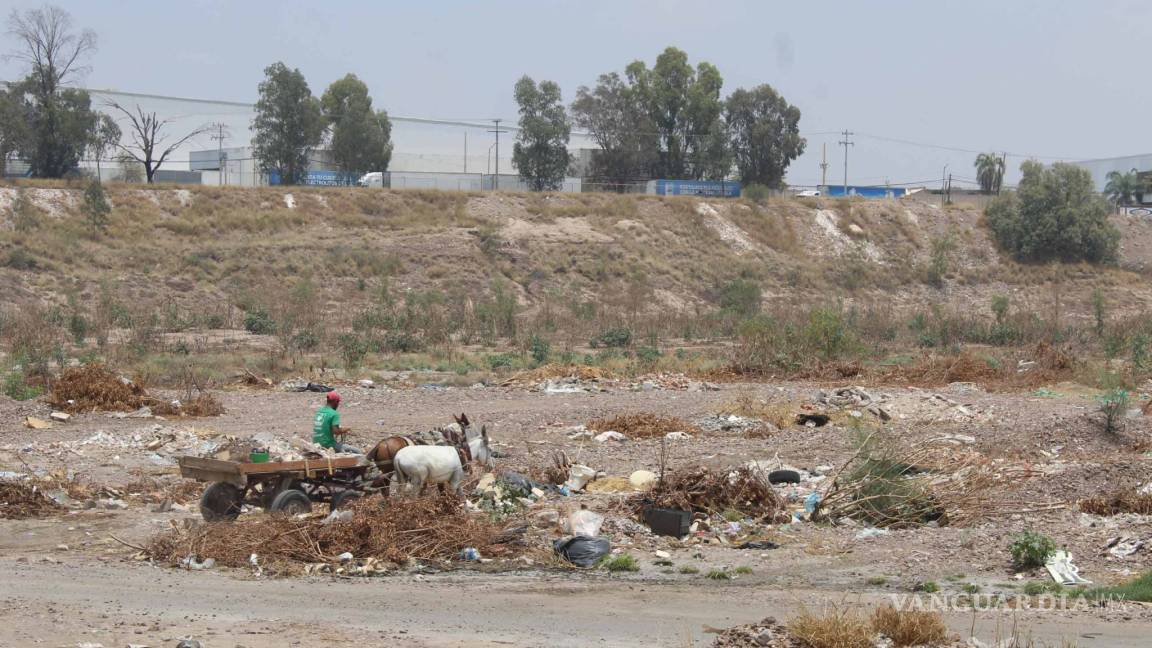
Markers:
582,551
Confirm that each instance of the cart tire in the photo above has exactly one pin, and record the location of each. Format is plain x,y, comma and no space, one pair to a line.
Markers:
220,502
292,502
344,498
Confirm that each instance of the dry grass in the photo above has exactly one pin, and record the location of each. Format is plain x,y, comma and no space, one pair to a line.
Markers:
1117,503
1044,364
832,627
393,530
909,627
21,499
642,425
714,492
782,414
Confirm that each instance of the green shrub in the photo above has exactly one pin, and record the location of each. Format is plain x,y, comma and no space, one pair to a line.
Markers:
25,215
500,360
620,563
718,574
353,348
16,387
1055,214
1031,549
740,297
1113,404
939,260
305,340
613,338
539,348
259,322
757,193
95,207
743,570
20,259
1137,589
689,569
928,587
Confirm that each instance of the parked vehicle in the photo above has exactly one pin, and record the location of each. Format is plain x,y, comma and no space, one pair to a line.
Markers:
371,179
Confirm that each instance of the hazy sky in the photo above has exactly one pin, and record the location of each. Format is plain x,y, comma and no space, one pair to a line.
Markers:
1035,78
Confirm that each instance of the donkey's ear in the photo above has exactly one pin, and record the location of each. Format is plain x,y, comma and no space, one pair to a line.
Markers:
457,419
484,433
464,420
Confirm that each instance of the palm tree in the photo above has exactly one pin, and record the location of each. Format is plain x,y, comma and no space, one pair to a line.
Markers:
1122,188
989,172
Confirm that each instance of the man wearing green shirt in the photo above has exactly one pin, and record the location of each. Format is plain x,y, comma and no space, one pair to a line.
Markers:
326,426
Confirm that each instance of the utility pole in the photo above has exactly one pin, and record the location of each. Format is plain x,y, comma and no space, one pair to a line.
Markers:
824,166
219,137
846,142
465,151
496,176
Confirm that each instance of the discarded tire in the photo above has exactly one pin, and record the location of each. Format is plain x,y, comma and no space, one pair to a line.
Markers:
220,503
292,502
783,477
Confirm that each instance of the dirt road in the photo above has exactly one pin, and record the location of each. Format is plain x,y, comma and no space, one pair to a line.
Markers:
118,603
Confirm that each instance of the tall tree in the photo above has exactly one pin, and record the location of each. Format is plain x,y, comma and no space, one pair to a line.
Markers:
105,137
148,144
13,125
541,150
1123,188
361,139
611,113
59,119
289,123
765,132
989,172
684,105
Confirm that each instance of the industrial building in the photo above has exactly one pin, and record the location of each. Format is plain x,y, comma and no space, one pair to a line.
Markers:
1100,168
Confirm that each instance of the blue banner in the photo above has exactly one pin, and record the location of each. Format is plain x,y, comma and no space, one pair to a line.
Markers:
714,188
317,179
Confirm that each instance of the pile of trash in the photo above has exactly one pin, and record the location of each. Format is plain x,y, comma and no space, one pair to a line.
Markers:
743,425
92,388
671,382
766,633
21,499
380,531
643,425
856,398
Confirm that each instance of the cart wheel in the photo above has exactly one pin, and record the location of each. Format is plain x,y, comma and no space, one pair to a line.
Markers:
220,502
292,502
344,498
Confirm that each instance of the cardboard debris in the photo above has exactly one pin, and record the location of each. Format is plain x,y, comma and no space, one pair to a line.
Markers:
37,423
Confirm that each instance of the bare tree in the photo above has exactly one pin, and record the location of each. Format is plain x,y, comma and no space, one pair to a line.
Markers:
148,139
54,52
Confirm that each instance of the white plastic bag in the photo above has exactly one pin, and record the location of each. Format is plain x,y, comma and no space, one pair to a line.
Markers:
583,523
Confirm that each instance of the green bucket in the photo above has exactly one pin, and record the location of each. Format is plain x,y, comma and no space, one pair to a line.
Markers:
258,456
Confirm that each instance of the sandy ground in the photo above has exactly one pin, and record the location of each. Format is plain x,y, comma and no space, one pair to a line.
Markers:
95,591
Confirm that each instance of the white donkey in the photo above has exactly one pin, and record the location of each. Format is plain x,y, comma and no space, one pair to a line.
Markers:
418,466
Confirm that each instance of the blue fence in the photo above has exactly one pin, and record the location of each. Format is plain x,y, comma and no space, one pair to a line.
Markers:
714,188
865,192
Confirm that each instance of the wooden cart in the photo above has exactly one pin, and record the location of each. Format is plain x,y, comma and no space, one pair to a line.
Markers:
283,486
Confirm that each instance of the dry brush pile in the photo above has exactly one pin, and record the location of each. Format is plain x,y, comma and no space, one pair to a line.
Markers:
392,530
890,486
642,425
21,499
702,490
94,388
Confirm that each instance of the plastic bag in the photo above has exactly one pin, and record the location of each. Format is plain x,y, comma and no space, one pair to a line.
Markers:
582,551
583,523
578,477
